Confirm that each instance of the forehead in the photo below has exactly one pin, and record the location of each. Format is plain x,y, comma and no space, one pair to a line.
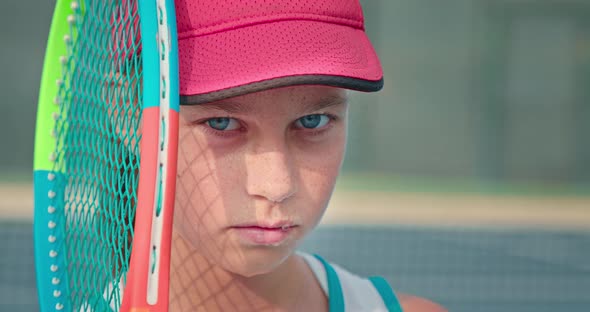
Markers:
296,99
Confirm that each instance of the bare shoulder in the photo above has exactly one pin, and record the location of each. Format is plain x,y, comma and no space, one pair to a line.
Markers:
411,303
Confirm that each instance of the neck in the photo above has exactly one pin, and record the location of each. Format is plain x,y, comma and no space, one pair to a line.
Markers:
197,284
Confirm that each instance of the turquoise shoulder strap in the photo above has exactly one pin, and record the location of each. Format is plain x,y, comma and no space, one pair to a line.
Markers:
386,293
335,297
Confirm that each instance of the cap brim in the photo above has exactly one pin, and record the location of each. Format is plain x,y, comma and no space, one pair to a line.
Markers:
278,54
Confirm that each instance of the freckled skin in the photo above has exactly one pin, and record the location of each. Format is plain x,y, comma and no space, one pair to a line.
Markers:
266,171
268,168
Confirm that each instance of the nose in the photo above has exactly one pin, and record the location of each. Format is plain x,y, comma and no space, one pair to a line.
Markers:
271,175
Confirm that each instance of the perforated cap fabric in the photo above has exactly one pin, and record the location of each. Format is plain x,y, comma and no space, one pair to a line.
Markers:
233,47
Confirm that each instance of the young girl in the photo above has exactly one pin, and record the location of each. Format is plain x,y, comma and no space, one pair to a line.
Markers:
262,139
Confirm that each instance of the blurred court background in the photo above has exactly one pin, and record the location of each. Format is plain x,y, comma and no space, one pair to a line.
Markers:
467,178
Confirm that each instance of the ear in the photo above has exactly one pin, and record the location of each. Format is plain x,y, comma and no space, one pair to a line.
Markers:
411,303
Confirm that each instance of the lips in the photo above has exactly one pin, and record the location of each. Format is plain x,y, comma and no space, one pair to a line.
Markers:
266,225
270,234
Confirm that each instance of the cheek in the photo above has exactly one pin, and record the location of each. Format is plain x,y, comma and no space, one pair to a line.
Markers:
202,196
319,171
195,188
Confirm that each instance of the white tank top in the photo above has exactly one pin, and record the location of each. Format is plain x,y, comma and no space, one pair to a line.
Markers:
356,294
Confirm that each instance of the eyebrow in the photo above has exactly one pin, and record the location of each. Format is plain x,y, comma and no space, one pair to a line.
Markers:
325,102
236,107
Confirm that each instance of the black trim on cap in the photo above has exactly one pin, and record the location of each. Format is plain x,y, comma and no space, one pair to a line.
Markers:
333,81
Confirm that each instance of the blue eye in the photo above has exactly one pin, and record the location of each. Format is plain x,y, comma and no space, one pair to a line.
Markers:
312,121
223,123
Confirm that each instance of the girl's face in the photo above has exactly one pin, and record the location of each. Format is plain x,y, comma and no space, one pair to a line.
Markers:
255,173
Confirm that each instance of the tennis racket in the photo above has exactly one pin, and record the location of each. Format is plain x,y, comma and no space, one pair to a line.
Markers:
105,156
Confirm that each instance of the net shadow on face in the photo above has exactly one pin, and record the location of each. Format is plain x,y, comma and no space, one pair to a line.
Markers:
198,281
208,263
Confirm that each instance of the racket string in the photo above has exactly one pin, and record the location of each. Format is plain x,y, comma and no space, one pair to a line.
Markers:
98,135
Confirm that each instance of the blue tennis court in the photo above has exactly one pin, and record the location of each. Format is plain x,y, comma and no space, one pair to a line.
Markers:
470,270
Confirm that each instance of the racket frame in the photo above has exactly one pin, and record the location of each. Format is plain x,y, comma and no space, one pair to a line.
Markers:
48,222
148,278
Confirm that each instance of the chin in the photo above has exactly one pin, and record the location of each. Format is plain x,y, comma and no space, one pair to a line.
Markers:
250,262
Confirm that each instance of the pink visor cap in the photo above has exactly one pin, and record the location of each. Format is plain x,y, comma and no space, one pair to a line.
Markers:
233,47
